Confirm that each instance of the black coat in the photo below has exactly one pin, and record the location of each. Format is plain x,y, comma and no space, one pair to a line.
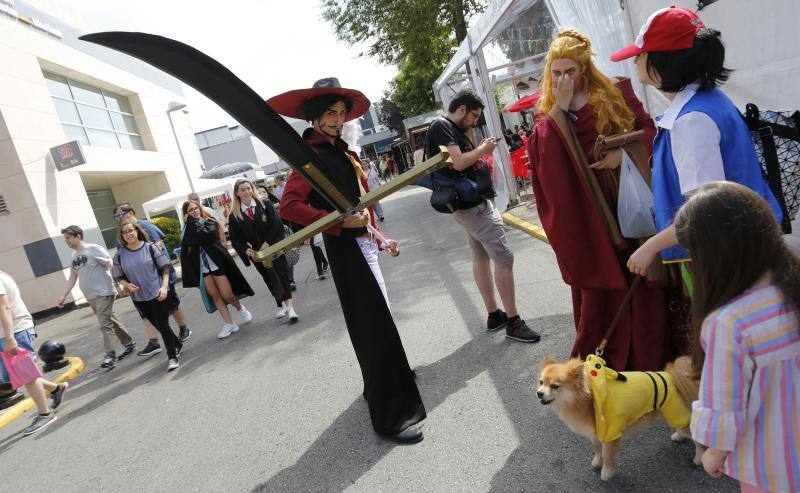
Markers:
198,236
251,233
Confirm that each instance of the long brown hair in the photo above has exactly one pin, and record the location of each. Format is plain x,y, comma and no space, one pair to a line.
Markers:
734,241
140,233
185,210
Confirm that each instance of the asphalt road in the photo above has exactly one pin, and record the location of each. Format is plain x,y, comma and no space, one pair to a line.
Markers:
278,407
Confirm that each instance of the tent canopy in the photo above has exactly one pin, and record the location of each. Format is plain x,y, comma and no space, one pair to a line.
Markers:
175,198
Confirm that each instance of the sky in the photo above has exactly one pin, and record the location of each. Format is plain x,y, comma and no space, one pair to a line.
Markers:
272,45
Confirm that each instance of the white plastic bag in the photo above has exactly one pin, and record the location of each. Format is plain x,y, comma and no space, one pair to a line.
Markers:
635,203
318,241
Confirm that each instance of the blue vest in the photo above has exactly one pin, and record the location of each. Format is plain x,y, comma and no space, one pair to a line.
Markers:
739,160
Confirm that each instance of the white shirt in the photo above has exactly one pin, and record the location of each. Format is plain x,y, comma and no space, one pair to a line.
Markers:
20,316
695,140
245,207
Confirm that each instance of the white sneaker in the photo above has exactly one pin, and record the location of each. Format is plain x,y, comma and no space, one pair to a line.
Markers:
235,328
282,311
245,315
173,363
292,314
227,330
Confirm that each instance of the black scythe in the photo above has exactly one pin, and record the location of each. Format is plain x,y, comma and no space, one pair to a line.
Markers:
221,86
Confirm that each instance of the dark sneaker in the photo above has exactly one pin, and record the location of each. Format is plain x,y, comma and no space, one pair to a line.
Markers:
178,350
185,335
496,321
39,422
321,276
325,268
150,349
519,331
293,286
58,394
127,351
109,361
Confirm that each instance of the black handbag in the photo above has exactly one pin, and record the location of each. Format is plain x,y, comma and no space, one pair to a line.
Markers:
444,198
776,135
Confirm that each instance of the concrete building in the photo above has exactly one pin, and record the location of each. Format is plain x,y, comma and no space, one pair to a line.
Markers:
51,93
225,145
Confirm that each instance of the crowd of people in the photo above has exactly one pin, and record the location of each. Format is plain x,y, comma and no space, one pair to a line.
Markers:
719,281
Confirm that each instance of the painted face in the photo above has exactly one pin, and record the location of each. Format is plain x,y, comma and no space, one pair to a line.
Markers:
193,211
129,234
245,192
650,79
567,67
331,122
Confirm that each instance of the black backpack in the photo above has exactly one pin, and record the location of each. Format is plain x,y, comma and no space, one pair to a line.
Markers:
776,135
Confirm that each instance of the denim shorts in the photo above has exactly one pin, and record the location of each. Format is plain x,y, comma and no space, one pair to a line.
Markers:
25,340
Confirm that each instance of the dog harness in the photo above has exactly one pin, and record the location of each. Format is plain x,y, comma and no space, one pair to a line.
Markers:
621,398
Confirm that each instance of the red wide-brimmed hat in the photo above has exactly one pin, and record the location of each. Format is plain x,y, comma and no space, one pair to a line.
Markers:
291,103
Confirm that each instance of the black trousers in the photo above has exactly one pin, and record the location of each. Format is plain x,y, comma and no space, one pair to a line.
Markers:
389,387
277,278
157,312
319,258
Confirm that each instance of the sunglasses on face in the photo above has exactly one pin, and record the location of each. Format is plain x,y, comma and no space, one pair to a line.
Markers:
119,216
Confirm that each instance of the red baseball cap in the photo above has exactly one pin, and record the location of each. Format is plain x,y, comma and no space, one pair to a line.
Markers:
670,29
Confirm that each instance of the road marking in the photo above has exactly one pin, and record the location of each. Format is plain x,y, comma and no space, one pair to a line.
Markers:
76,366
522,225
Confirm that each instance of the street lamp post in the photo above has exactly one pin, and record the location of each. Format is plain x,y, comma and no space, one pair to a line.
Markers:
175,106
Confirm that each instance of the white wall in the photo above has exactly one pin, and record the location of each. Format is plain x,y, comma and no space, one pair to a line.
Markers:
42,200
762,46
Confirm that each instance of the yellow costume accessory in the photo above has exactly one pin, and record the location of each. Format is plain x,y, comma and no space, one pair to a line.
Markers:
621,398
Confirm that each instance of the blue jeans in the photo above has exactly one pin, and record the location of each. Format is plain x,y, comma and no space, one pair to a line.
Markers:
24,340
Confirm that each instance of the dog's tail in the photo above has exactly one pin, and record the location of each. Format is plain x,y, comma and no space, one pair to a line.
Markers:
681,373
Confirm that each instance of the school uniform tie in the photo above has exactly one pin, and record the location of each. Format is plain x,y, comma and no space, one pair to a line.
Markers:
250,212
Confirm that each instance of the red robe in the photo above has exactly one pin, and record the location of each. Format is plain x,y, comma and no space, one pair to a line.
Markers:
589,262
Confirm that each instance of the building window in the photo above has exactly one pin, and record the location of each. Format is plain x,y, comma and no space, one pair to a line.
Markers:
93,116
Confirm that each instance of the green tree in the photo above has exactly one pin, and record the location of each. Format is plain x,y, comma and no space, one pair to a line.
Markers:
171,228
418,36
390,116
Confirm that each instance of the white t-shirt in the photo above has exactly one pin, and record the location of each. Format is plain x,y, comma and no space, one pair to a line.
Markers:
695,140
20,315
94,278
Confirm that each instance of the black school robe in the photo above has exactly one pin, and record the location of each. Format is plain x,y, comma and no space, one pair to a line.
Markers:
389,387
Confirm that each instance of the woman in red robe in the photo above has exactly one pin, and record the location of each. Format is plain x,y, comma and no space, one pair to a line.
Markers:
576,198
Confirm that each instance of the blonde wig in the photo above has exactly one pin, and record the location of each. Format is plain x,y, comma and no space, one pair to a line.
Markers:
612,114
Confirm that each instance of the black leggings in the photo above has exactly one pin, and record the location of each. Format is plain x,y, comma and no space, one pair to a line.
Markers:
157,312
277,279
319,258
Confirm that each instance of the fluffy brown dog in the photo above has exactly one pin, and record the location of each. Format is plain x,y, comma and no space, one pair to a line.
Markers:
564,386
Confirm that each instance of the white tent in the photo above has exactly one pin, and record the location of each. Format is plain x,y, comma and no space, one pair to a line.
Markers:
176,198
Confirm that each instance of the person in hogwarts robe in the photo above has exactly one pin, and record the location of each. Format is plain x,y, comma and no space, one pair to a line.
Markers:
395,405
576,198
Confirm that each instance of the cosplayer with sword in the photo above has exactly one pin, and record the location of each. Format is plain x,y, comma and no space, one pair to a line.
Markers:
389,388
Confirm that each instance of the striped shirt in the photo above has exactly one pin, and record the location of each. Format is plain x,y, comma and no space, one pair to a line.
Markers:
749,402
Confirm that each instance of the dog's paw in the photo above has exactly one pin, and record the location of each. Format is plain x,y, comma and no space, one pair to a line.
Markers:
607,473
677,436
597,462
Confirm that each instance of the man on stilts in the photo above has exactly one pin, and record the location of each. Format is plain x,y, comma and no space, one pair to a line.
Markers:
394,402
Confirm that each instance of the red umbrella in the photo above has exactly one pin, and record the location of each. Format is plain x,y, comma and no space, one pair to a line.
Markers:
524,103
